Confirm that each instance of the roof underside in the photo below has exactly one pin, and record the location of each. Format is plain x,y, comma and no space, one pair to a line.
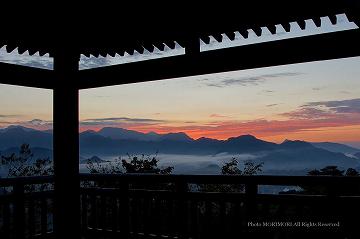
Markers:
123,32
135,31
288,51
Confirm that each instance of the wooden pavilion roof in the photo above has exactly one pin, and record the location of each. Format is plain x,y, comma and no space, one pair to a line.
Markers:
140,28
119,32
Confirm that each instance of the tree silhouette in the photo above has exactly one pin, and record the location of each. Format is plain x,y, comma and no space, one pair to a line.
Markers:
351,172
134,164
231,168
349,189
144,164
327,171
23,164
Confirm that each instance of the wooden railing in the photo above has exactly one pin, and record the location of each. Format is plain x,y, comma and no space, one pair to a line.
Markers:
170,206
26,207
173,206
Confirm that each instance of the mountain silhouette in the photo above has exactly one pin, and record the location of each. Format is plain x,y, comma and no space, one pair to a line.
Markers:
172,143
93,159
176,137
123,140
295,144
337,148
116,141
38,153
357,155
14,136
119,133
16,128
246,144
301,155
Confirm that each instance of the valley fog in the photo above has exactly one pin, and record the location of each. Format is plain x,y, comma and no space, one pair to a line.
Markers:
211,164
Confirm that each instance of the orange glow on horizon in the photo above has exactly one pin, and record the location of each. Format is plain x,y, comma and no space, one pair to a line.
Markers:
321,134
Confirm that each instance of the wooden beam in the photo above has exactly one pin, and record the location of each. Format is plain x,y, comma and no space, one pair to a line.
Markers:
25,76
288,51
66,147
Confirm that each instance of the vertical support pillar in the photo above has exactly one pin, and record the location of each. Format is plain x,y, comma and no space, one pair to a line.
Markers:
66,147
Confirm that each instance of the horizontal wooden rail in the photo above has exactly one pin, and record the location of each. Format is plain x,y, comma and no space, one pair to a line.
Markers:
4,182
223,179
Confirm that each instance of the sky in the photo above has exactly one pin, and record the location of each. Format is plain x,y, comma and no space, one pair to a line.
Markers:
318,101
310,101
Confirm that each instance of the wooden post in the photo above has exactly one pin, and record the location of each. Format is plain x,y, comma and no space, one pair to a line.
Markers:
66,146
124,209
181,189
251,190
19,210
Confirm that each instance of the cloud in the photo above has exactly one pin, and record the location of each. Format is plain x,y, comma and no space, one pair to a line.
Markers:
46,62
124,119
34,123
6,122
121,122
101,96
338,106
326,110
245,81
25,59
38,122
218,116
344,92
93,62
312,116
259,127
271,105
9,116
308,113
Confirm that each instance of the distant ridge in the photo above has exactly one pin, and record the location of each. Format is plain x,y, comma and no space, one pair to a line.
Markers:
246,143
93,159
295,144
17,128
290,155
119,133
118,141
336,147
14,136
